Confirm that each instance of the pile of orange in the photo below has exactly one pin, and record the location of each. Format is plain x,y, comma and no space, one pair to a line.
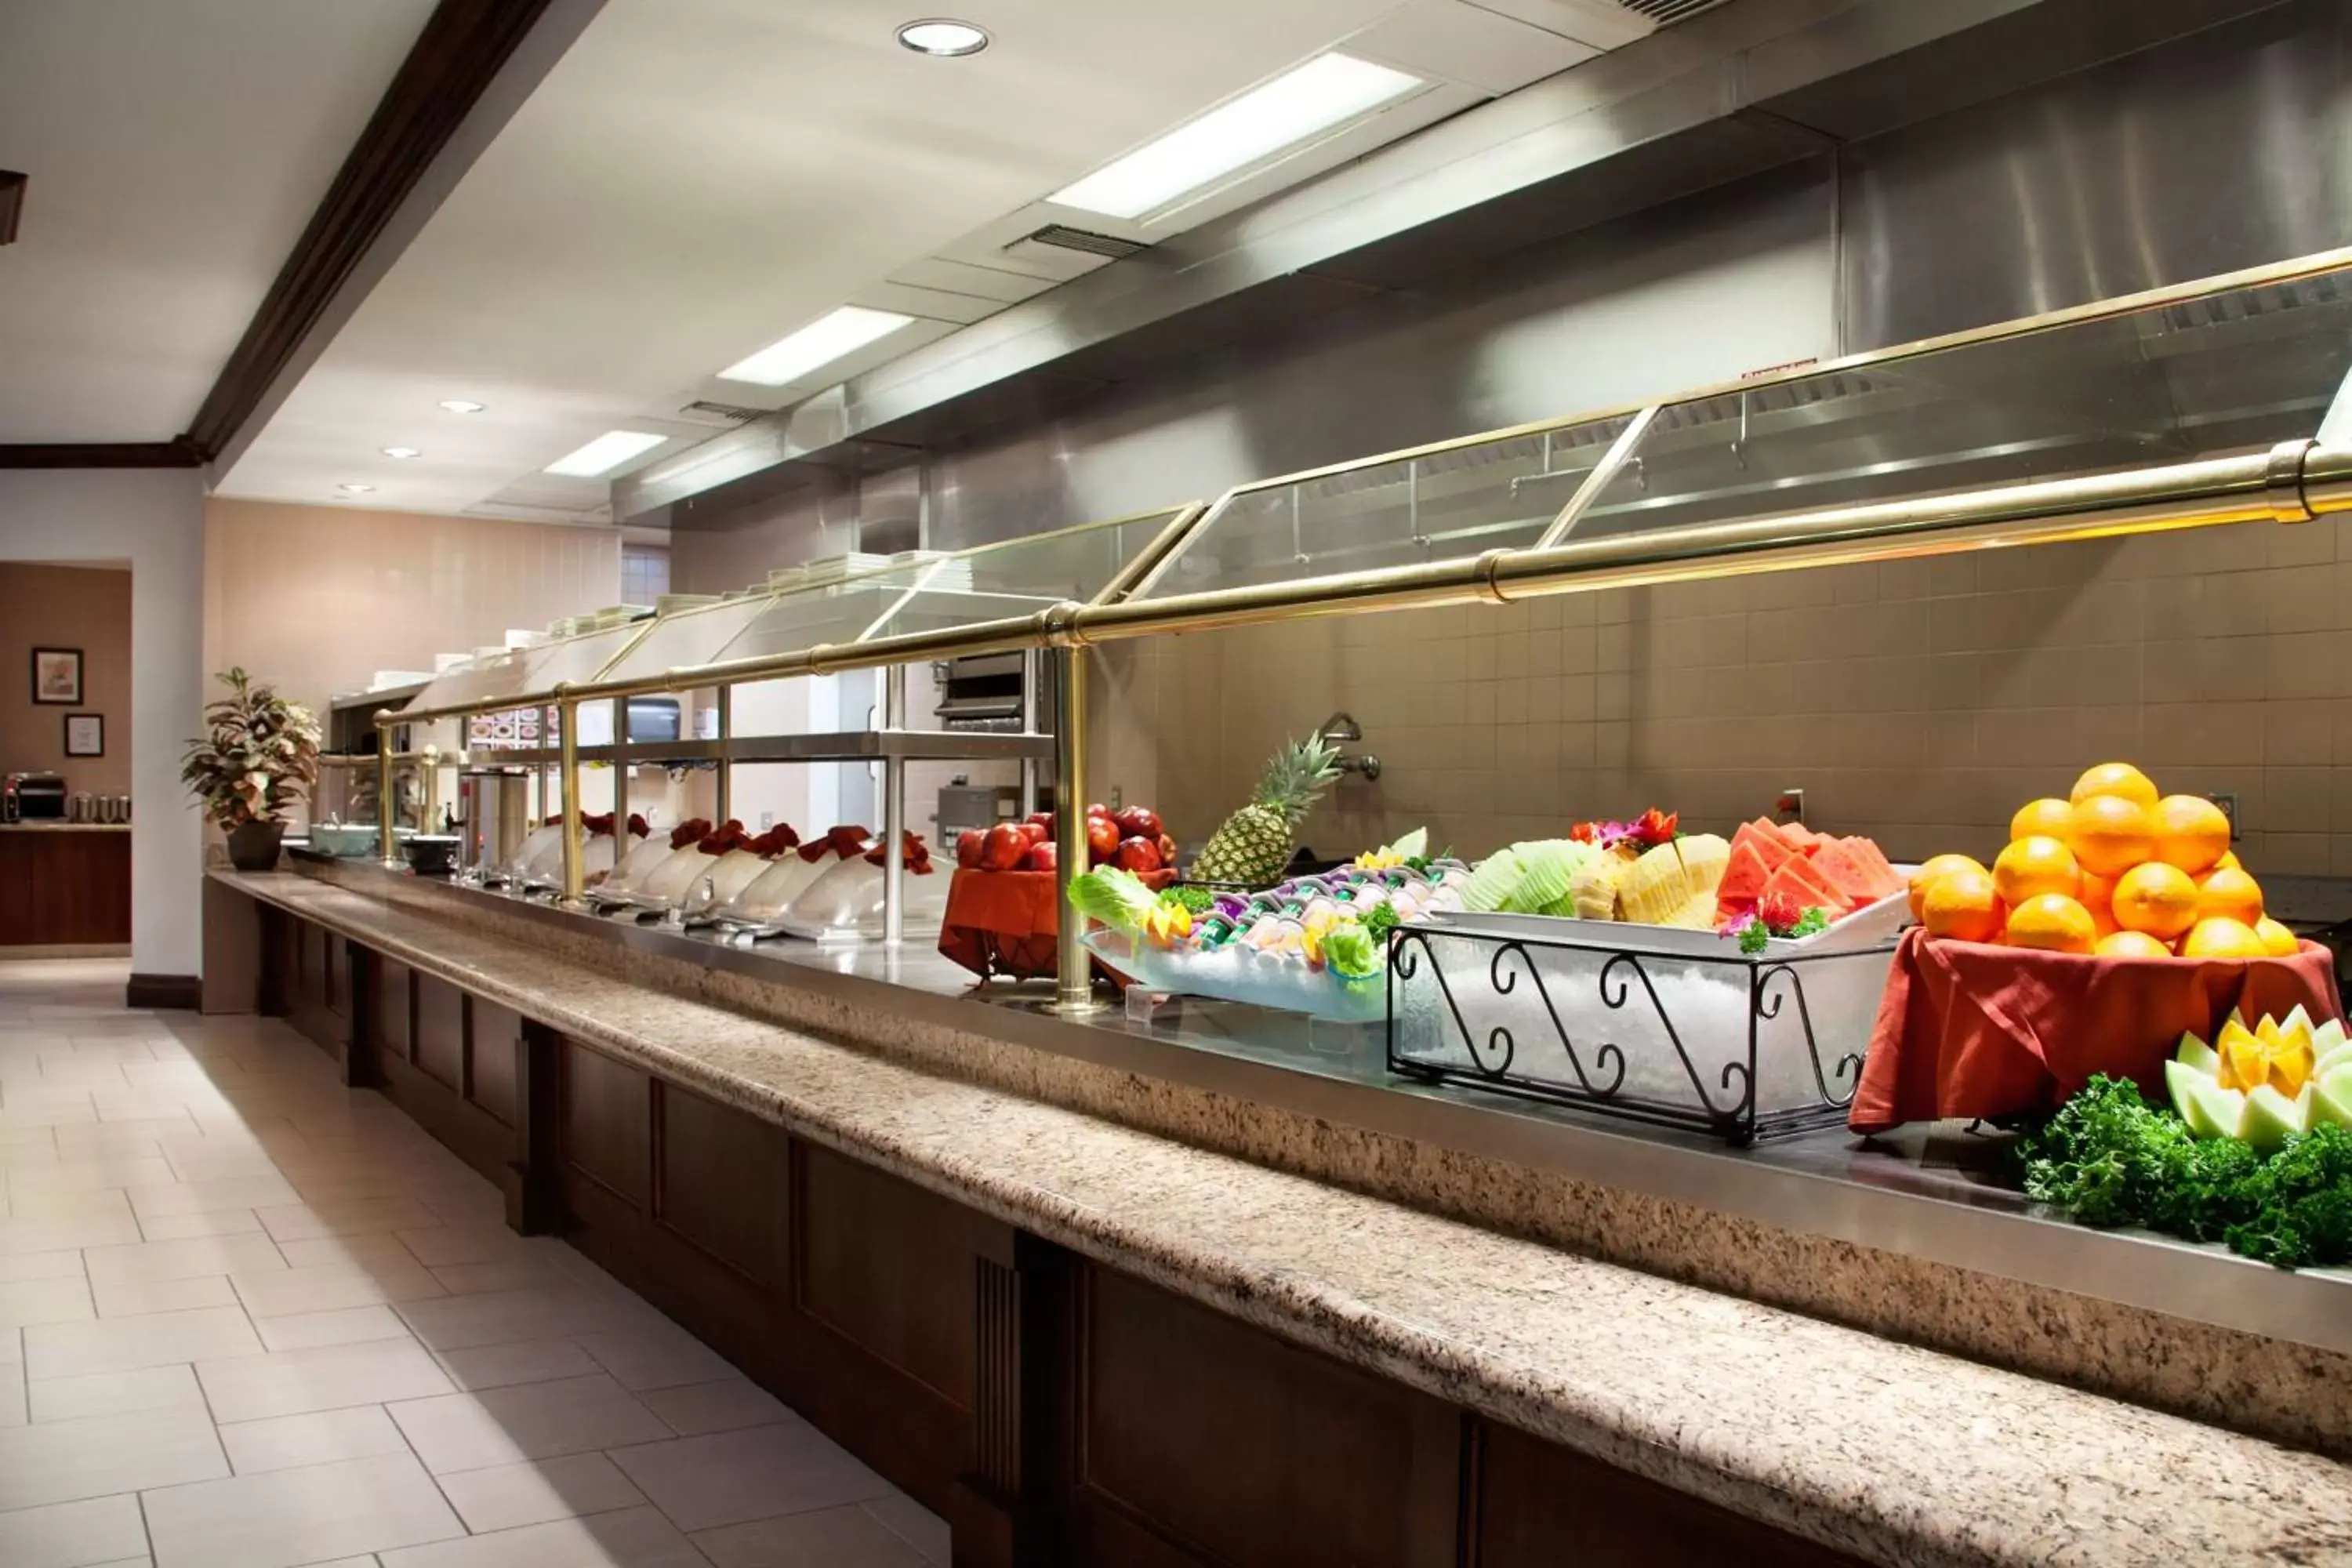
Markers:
2114,869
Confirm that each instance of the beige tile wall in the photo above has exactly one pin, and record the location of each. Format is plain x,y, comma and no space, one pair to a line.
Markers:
1919,702
317,599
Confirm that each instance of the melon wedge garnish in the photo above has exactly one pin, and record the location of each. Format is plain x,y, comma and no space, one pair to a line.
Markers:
2270,1117
2210,1111
2195,1053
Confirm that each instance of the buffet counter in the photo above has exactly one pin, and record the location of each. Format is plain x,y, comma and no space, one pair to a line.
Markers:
1035,1285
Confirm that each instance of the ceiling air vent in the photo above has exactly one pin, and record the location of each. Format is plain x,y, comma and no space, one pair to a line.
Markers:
721,415
1666,12
1062,237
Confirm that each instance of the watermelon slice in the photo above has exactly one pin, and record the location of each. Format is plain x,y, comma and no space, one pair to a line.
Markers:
1802,840
1767,840
1846,871
1888,881
1744,878
1802,882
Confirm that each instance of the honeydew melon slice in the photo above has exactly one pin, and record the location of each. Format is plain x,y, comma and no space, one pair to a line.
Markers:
2325,1037
2297,1018
2210,1111
2195,1053
2330,1104
2270,1117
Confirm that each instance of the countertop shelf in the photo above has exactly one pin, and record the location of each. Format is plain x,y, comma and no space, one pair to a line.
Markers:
65,827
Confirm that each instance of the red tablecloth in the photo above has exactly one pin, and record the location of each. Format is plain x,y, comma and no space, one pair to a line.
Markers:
1004,923
1967,1029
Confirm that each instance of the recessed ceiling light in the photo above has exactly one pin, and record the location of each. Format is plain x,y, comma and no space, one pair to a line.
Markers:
940,36
605,453
402,452
818,345
355,489
463,406
1326,91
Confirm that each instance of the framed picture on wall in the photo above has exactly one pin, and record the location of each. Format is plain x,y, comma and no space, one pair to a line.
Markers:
57,676
85,735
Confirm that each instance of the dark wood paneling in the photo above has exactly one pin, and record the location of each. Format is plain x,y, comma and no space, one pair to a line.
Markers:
887,1267
174,454
395,1008
1232,1445
493,1066
451,63
440,1033
725,1184
1540,1505
167,991
64,888
339,975
607,1122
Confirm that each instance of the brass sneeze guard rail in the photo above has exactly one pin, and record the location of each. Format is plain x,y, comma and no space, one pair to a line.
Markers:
2292,481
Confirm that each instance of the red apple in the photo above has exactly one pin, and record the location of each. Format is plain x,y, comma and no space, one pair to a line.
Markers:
1098,809
1138,822
1034,832
1137,855
968,846
1102,837
1167,850
1043,819
1044,857
1003,847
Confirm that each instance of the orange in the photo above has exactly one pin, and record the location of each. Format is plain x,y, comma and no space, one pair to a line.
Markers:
2034,866
2110,835
2277,940
1961,905
1939,866
2157,899
2114,778
2192,833
2229,895
2221,937
2047,817
2131,944
2052,922
2229,862
2098,896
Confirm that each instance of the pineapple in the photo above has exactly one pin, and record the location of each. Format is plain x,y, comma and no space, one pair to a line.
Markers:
1253,845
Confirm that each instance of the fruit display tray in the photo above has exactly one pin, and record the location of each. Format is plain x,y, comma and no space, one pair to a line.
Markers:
1670,1027
1239,974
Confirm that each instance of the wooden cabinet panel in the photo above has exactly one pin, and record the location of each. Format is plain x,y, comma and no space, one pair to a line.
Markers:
607,1109
440,1037
1247,1450
394,1005
1543,1506
725,1183
59,889
493,1038
889,1267
338,970
310,967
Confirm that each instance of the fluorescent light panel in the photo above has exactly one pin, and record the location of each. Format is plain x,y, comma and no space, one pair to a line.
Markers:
1328,91
605,453
816,345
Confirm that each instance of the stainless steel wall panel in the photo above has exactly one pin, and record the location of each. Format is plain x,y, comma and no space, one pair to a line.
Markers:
2223,150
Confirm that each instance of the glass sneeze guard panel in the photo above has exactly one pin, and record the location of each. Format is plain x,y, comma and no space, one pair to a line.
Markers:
687,637
577,660
2225,373
480,680
939,593
1449,502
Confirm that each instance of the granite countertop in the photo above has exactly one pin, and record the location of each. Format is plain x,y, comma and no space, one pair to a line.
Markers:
65,827
1896,1454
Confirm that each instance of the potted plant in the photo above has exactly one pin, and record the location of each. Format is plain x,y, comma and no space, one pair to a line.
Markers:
261,757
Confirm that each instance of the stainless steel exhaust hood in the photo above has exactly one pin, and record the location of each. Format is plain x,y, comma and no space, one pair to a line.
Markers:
1743,88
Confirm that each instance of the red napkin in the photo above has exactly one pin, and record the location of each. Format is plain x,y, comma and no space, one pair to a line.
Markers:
1969,1029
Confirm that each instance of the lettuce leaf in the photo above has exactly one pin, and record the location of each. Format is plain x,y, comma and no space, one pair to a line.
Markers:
1117,899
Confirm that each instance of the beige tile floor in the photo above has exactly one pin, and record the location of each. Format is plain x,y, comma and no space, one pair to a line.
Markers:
251,1319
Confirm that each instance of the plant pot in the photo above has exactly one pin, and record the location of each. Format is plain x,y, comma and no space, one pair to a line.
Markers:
253,846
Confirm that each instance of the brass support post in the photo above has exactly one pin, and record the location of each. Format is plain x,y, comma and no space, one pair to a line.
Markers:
1073,965
387,842
567,714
